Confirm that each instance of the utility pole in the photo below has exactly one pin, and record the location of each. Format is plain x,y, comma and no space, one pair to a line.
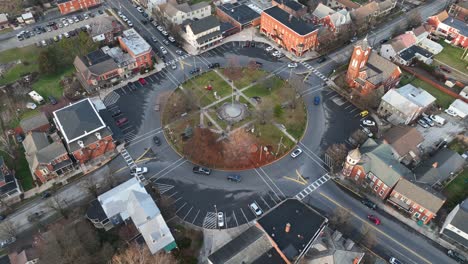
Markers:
279,145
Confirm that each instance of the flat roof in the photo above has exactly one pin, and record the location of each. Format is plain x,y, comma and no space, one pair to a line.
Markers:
296,25
239,12
78,120
134,42
305,226
410,53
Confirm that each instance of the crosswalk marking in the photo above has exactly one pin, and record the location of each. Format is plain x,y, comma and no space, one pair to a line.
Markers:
177,59
111,98
210,221
163,187
312,187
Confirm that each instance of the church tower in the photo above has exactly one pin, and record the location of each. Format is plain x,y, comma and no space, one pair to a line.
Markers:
358,60
354,156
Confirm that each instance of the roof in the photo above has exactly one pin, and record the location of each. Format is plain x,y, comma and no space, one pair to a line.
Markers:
355,154
35,141
102,24
379,159
245,248
95,63
3,18
134,42
419,30
292,23
386,4
204,38
378,69
349,4
458,24
404,139
8,180
171,9
28,15
40,151
305,226
241,13
460,105
408,39
24,256
204,24
459,221
341,17
408,99
294,5
115,200
322,11
95,212
439,167
411,52
78,120
366,10
426,198
34,122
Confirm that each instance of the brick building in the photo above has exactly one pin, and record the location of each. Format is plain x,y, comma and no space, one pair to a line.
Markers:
70,6
104,29
369,71
239,15
83,131
137,47
292,7
451,28
331,19
290,33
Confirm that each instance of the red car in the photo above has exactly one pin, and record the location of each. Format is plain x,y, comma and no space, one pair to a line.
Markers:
121,121
374,219
142,81
445,69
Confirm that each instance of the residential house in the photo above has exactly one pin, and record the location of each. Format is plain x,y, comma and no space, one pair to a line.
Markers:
455,228
4,23
405,104
408,56
129,202
342,4
459,9
292,7
37,123
70,6
443,166
26,18
333,20
369,12
451,28
178,13
368,71
240,15
459,107
135,45
96,70
9,186
153,4
274,237
28,255
376,168
287,31
404,142
104,29
126,63
402,42
47,158
203,33
332,248
416,201
86,136
320,12
464,92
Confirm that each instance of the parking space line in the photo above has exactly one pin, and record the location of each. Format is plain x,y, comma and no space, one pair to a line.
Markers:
188,213
226,221
126,128
181,207
273,199
350,105
195,218
242,211
261,197
175,201
235,218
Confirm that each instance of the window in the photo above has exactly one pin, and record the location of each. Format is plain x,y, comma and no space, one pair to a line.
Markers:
359,172
408,201
356,177
376,188
421,209
381,193
411,210
415,205
424,218
417,215
374,179
396,195
379,183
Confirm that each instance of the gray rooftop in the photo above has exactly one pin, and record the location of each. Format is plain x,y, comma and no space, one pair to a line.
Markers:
134,42
34,122
379,69
293,23
439,167
78,120
241,13
409,53
204,24
459,221
421,194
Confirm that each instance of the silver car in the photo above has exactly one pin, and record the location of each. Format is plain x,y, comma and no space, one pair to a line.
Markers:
296,153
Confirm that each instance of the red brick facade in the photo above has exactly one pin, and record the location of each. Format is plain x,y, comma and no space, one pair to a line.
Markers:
379,188
287,38
94,150
299,13
143,60
416,210
227,18
45,172
71,6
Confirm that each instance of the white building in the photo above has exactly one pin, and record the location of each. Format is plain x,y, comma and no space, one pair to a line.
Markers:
459,107
203,33
405,104
430,46
178,13
464,92
455,228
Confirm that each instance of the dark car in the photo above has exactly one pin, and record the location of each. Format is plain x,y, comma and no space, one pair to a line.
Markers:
100,12
234,178
213,65
116,113
456,256
323,59
52,100
19,138
369,203
2,217
157,141
201,170
383,41
45,195
247,44
142,81
195,71
317,100
445,69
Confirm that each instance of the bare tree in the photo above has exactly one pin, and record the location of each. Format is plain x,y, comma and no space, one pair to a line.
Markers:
233,70
175,31
140,254
340,218
337,153
414,19
264,113
370,100
89,185
367,236
298,84
59,205
359,137
8,229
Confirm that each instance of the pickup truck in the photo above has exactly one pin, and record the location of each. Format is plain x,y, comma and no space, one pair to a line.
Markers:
438,119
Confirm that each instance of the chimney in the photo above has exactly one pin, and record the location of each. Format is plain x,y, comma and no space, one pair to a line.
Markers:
290,18
98,135
435,164
80,143
287,228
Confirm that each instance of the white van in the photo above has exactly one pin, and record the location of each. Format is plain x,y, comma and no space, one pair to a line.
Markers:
36,97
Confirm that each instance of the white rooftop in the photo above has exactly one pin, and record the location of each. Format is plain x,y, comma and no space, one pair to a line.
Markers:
26,16
460,105
408,99
134,42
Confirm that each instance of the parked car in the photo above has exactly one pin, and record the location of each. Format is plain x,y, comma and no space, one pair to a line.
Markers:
445,68
171,39
163,50
456,256
438,119
393,260
2,217
140,170
296,153
129,23
35,216
201,170
31,106
220,219
7,242
179,52
322,59
256,209
422,123
142,81
154,39
269,48
164,32
173,66
157,141
52,100
374,219
317,100
369,203
116,113
292,65
383,41
364,113
195,71
46,195
234,178
213,65
160,28
450,112
367,131
367,122
100,12
428,121
121,121
165,42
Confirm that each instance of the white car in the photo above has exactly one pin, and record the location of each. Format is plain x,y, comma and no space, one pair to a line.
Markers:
450,112
119,13
179,52
292,65
129,23
220,219
140,170
368,122
163,50
66,34
256,209
140,9
171,39
65,23
173,66
367,131
277,53
165,33
160,28
124,18
31,105
86,16
269,48
71,21
296,153
7,242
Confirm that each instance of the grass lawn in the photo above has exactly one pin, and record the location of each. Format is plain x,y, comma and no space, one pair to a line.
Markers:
6,30
50,85
28,56
21,168
452,57
443,99
192,2
261,89
199,83
457,190
457,146
249,76
271,135
294,120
